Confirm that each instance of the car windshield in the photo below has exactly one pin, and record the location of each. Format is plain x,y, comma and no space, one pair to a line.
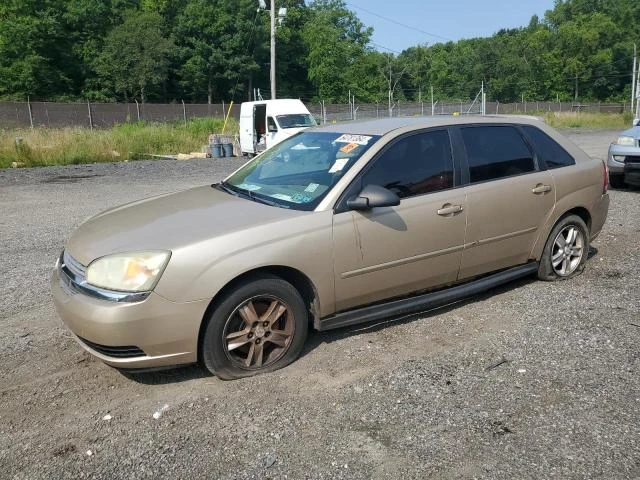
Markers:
296,120
301,170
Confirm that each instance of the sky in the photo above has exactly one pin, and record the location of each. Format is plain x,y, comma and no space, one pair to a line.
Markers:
434,21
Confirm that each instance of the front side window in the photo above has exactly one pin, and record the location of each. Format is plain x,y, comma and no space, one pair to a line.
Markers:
297,120
414,165
271,124
496,151
298,172
553,154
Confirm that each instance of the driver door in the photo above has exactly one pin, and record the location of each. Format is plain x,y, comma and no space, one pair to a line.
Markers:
393,251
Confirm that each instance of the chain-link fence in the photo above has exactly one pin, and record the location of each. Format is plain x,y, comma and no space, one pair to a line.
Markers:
105,115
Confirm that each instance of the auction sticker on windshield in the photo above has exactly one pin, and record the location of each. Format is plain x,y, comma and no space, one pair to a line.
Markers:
339,165
348,138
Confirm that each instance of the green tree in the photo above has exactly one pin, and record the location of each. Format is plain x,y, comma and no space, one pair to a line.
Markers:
135,56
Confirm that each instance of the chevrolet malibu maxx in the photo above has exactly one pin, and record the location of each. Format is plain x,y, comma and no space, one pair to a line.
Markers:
335,226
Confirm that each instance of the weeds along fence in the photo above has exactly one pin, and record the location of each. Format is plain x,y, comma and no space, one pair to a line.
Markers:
105,115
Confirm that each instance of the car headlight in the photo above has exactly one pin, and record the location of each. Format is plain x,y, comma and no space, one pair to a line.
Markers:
626,141
128,272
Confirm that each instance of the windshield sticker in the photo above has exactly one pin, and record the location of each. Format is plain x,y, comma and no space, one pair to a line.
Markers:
349,147
358,139
312,187
249,187
301,198
339,165
281,196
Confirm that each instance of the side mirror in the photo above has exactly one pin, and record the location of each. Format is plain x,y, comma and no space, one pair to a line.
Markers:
273,129
636,122
373,196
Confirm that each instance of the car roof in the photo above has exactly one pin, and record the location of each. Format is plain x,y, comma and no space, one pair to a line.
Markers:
383,126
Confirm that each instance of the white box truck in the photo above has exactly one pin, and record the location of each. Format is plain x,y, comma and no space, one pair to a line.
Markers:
266,123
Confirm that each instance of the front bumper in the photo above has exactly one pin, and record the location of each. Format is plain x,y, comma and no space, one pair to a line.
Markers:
154,332
616,156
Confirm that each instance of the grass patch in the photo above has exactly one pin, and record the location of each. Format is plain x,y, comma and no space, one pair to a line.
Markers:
131,141
612,121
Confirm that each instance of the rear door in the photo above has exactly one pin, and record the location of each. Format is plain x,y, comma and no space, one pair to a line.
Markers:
509,198
387,252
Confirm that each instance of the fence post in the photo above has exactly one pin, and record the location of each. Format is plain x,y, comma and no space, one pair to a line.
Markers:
90,116
46,111
137,108
184,112
223,109
30,112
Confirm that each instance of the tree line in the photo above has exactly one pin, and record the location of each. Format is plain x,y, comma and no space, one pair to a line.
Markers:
215,50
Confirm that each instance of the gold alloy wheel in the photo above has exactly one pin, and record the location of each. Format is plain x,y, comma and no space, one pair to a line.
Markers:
258,332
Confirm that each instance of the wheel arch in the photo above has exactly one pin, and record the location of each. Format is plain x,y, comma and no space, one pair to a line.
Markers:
579,211
301,282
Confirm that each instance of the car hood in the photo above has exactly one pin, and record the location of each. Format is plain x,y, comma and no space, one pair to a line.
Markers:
169,222
632,132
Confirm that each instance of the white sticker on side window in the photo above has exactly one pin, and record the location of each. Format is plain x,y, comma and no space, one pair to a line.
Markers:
359,139
339,165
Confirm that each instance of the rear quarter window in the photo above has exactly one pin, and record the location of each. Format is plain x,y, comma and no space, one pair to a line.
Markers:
548,149
496,151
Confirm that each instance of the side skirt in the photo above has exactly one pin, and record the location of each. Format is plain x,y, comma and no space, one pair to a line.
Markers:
426,301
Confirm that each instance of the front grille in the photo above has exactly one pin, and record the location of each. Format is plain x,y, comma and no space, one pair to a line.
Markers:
116,352
632,159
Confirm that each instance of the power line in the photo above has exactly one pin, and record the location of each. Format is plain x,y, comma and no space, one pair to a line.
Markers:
399,23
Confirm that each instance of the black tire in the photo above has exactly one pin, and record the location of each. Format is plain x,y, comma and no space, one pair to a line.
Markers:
252,299
546,269
616,180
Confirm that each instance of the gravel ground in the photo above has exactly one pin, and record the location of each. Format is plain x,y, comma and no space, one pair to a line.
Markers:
425,396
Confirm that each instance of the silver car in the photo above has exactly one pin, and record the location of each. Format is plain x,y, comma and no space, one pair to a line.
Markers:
624,159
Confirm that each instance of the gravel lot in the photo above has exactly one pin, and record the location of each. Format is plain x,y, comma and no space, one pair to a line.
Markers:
414,398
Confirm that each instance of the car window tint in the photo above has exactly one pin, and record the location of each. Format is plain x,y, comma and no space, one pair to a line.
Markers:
553,154
496,152
414,165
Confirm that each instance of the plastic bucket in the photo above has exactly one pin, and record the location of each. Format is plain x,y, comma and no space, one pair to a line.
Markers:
228,149
216,150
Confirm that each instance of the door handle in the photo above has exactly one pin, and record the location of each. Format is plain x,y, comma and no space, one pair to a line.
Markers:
540,188
448,209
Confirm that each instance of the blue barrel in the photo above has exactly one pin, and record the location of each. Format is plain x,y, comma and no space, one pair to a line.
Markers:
216,150
228,149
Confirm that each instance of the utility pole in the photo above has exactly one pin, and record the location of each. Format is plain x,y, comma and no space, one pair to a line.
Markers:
273,49
634,79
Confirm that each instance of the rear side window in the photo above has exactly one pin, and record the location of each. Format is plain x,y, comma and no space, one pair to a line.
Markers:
496,152
553,154
414,165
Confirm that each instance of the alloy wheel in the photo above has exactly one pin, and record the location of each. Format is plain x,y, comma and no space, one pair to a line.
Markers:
258,332
567,250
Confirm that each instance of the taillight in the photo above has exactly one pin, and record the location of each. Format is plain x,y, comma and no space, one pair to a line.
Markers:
605,178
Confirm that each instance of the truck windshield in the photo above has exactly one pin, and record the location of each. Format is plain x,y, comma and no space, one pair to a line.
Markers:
300,171
296,120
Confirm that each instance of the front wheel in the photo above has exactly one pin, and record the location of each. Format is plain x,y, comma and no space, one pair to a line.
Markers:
258,327
566,250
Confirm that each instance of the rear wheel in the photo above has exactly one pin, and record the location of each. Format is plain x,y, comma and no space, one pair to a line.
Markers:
616,180
566,250
259,327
